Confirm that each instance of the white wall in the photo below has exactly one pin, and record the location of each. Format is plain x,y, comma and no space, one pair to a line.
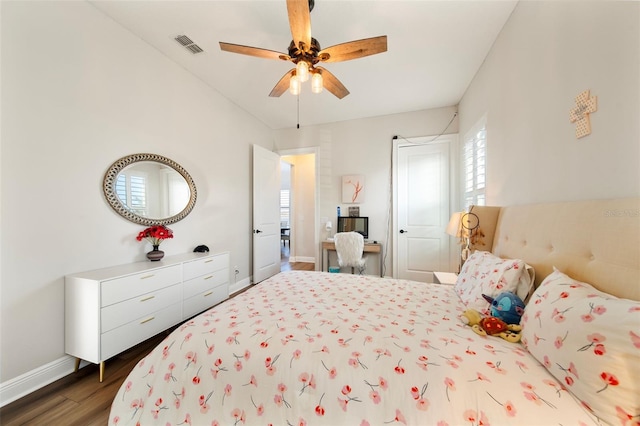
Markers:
79,92
548,53
362,147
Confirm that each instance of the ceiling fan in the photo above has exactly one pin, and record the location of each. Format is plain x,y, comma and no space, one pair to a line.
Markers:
305,52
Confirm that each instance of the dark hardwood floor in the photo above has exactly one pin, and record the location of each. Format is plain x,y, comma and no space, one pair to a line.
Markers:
79,399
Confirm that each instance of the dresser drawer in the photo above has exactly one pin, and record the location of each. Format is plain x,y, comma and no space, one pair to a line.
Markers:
195,268
121,313
198,285
205,300
134,332
119,289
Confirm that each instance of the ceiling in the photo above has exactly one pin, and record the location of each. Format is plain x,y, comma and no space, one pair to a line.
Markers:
434,50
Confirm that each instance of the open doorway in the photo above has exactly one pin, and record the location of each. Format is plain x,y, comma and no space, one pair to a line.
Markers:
286,171
298,176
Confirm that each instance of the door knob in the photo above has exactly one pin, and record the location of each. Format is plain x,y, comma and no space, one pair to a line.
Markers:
402,231
257,231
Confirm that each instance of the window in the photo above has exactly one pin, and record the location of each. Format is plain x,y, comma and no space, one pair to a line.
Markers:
474,155
132,192
285,206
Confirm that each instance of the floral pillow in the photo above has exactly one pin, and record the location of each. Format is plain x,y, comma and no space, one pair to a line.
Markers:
590,341
485,273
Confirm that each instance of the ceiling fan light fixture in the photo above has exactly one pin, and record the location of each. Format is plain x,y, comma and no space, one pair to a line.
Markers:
305,53
316,82
294,85
302,71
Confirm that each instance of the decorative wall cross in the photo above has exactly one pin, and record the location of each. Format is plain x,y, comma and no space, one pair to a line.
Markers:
585,104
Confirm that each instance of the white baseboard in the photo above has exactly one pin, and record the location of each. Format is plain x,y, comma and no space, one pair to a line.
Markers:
302,259
240,285
31,381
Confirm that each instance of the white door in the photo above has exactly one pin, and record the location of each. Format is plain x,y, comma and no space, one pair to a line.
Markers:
266,214
422,209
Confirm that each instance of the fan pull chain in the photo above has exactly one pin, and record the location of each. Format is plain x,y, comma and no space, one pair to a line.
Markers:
298,119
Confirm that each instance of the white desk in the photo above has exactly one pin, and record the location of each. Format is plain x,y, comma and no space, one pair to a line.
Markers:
368,248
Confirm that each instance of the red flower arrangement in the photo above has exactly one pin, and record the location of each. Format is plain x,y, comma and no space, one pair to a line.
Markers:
155,234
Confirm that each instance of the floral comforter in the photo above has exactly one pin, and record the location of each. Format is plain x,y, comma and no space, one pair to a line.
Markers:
313,348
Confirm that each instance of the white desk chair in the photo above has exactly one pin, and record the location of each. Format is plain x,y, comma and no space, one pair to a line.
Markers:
350,246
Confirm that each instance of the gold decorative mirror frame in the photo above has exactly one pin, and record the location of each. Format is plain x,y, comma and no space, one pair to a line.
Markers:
114,201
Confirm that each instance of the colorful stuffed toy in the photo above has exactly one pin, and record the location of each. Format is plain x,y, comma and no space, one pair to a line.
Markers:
506,306
471,317
491,326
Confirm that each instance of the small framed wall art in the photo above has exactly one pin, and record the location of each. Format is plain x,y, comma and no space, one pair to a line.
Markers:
352,188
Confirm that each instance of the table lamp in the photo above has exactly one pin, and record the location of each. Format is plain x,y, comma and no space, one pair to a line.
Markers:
454,228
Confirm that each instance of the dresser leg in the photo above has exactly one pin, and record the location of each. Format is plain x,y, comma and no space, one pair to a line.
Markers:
101,371
77,366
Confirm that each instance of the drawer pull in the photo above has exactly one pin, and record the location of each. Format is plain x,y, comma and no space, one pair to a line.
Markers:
147,276
208,260
147,298
209,277
208,294
147,320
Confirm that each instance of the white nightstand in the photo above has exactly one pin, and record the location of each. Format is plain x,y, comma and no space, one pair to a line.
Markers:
447,278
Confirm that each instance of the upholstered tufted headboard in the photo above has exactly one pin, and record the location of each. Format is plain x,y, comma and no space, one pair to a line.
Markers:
596,241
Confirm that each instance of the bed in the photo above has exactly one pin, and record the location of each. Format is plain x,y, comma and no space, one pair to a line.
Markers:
304,348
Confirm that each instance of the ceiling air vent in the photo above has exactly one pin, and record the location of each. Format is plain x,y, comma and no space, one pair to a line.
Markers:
189,44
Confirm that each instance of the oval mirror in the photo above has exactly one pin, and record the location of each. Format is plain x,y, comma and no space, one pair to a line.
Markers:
149,189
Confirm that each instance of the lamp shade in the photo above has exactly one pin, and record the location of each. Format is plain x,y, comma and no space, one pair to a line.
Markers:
316,82
454,228
294,85
302,71
328,226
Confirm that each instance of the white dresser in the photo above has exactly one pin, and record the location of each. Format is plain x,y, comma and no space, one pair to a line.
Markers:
110,310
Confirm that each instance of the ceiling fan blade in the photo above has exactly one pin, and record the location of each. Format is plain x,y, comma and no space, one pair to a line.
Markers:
300,22
282,85
332,84
253,51
354,49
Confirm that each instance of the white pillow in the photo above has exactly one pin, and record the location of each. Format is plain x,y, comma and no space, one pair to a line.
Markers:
485,273
590,341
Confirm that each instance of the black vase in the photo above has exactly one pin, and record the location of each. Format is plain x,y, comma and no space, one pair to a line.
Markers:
155,254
